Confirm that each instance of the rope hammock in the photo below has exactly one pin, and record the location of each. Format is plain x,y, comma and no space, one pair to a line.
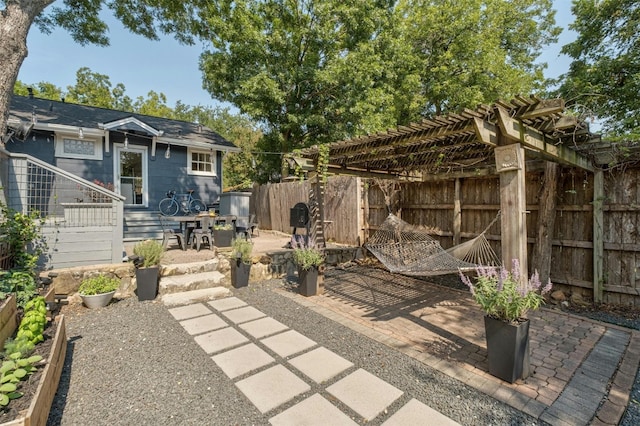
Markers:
405,249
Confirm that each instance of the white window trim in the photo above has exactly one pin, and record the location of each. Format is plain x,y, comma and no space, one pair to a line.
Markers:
59,143
214,160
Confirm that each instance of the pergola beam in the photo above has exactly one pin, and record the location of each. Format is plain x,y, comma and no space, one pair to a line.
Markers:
536,140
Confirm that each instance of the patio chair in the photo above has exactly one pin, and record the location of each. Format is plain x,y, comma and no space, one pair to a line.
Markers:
202,234
249,229
168,233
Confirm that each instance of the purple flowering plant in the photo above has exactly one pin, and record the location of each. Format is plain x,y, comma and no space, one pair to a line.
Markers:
502,296
305,252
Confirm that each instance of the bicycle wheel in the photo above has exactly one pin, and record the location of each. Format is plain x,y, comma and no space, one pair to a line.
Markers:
197,206
168,207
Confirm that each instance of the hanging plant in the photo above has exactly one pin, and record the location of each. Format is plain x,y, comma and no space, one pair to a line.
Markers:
323,162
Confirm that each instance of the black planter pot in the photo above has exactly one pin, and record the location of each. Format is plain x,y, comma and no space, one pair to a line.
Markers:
308,281
222,237
147,281
508,349
240,273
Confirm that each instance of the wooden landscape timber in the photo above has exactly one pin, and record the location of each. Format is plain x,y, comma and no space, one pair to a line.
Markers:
38,410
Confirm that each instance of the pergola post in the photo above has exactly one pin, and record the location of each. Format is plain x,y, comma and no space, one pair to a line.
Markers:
598,240
510,166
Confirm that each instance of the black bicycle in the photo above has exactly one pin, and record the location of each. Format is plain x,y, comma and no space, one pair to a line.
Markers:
174,203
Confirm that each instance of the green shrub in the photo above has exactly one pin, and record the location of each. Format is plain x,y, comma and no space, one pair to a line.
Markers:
22,283
242,249
150,251
227,227
98,284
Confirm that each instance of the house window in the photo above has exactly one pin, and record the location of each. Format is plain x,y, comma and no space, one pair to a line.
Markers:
201,162
74,147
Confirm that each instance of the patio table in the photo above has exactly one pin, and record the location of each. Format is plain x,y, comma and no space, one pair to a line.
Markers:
189,223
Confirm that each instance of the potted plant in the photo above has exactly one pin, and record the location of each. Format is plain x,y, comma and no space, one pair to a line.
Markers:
223,235
241,262
309,260
506,297
97,291
148,255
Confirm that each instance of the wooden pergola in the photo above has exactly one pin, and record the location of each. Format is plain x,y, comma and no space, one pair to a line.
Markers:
492,139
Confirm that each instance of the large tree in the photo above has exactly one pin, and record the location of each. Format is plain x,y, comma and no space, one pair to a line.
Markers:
315,71
604,77
477,51
81,18
304,69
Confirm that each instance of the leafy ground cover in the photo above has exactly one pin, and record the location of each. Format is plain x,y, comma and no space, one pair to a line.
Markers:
29,386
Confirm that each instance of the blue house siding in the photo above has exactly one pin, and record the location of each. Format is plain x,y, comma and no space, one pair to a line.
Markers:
163,174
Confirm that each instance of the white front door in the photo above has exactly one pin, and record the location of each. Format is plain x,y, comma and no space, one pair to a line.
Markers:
130,171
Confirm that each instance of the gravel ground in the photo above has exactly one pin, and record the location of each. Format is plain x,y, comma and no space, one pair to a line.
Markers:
132,363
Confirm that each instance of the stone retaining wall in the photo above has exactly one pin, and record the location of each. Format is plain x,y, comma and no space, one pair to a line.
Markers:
272,265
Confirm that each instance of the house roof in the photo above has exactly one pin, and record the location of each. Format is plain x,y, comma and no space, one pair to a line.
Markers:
461,143
61,116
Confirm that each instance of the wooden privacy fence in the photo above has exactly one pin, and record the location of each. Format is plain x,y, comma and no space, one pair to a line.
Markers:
272,205
353,204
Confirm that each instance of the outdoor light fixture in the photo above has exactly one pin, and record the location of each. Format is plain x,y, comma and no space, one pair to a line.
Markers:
167,153
80,133
34,117
126,141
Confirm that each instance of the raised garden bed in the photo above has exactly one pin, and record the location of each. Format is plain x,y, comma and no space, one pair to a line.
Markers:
49,376
8,319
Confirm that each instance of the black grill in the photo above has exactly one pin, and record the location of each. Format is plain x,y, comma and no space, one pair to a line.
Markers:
299,216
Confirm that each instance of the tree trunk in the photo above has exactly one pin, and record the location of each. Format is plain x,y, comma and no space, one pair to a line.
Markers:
546,222
15,22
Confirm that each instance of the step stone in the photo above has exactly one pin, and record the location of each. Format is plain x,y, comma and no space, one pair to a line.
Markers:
188,282
195,296
189,268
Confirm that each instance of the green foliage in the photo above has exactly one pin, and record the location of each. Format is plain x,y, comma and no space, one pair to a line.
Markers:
24,236
242,249
223,227
151,251
602,80
98,284
325,70
20,282
502,296
476,51
305,253
33,322
12,371
30,332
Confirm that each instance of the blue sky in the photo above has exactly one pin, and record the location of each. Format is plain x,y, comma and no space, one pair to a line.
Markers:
166,66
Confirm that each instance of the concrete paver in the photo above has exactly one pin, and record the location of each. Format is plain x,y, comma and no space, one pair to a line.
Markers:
263,327
189,311
313,411
203,324
240,315
415,413
365,393
320,364
242,360
272,387
288,343
227,303
219,340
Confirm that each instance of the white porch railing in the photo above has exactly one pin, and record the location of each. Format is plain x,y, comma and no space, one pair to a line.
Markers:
83,221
